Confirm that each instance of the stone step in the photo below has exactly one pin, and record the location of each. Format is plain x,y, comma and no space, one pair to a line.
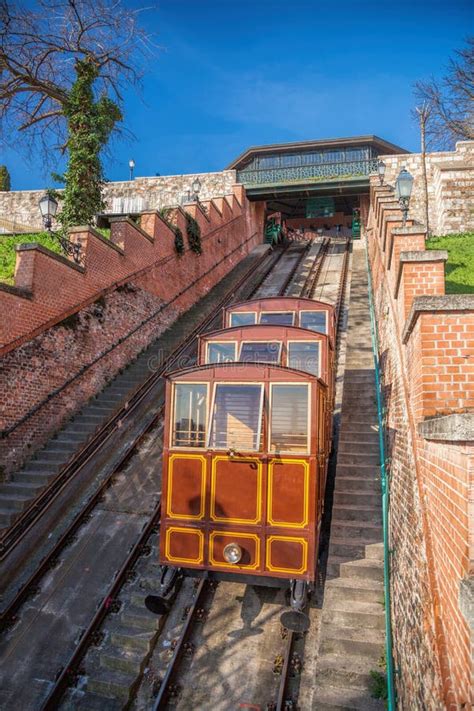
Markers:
374,551
23,488
359,484
347,589
49,456
346,512
357,530
56,446
336,639
347,547
359,426
130,638
358,471
138,616
356,498
45,467
129,661
110,683
7,516
362,459
367,569
346,446
87,701
329,698
70,438
32,477
334,670
355,613
368,437
363,398
88,418
14,502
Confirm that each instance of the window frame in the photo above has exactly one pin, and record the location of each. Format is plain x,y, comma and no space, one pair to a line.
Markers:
278,362
305,452
260,439
279,311
317,342
242,325
315,311
173,418
208,343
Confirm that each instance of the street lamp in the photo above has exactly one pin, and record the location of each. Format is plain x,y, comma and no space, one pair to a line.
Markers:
48,206
403,188
131,165
196,188
381,170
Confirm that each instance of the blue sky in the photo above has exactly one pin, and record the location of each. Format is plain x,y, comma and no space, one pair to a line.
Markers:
229,74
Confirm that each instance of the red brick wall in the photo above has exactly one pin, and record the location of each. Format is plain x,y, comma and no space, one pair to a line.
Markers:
427,362
107,299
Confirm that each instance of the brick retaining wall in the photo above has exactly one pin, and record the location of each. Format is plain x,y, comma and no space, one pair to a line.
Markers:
426,341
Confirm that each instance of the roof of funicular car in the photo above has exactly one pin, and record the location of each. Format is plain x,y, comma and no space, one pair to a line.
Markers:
242,373
261,331
283,302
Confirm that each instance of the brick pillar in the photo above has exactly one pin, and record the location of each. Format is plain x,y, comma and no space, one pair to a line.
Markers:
420,273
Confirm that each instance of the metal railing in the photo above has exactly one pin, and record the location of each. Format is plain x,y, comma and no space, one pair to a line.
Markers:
316,172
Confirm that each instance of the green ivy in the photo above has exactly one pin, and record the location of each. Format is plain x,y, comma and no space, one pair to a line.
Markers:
90,123
178,235
5,182
193,232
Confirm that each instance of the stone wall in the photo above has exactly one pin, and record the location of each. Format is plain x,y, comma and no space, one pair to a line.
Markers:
426,342
71,328
19,208
450,177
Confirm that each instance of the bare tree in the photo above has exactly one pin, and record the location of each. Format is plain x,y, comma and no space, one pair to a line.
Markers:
63,69
422,114
451,100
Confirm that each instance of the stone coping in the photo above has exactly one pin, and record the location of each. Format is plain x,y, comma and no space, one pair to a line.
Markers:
466,599
454,165
418,229
424,304
425,255
16,290
458,427
29,246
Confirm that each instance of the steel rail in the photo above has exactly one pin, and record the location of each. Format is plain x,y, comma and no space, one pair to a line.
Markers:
315,273
160,701
70,669
15,533
294,269
285,672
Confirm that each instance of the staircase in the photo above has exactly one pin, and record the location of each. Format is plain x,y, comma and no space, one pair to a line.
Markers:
352,631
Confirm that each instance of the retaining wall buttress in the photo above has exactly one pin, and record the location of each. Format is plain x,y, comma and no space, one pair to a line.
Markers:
426,341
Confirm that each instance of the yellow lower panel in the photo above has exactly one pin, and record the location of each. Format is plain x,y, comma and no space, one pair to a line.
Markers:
184,545
285,554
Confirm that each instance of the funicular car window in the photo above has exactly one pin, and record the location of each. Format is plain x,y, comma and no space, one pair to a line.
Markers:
236,417
189,423
220,352
289,418
314,321
243,318
280,318
304,355
260,352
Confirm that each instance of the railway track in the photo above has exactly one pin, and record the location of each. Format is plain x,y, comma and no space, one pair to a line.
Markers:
30,587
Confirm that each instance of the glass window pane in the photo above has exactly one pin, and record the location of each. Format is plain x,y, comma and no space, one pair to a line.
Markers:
304,356
260,352
236,418
289,418
243,318
189,426
282,318
314,320
220,352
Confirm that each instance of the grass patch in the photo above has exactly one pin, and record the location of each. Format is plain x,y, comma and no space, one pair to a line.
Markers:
378,685
460,264
8,253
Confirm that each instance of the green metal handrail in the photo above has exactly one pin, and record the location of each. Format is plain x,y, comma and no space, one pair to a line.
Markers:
391,699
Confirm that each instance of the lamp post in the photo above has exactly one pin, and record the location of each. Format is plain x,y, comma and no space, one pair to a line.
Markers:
48,206
381,170
403,188
196,188
131,165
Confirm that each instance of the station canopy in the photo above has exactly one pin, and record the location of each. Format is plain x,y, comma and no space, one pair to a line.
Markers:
312,179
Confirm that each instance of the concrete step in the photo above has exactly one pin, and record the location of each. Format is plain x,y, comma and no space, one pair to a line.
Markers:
14,502
347,547
336,639
362,514
70,436
358,471
359,426
52,456
32,477
347,589
45,467
7,516
88,418
110,683
369,437
346,446
355,613
374,551
357,530
86,701
340,699
347,671
371,569
56,446
130,638
356,498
